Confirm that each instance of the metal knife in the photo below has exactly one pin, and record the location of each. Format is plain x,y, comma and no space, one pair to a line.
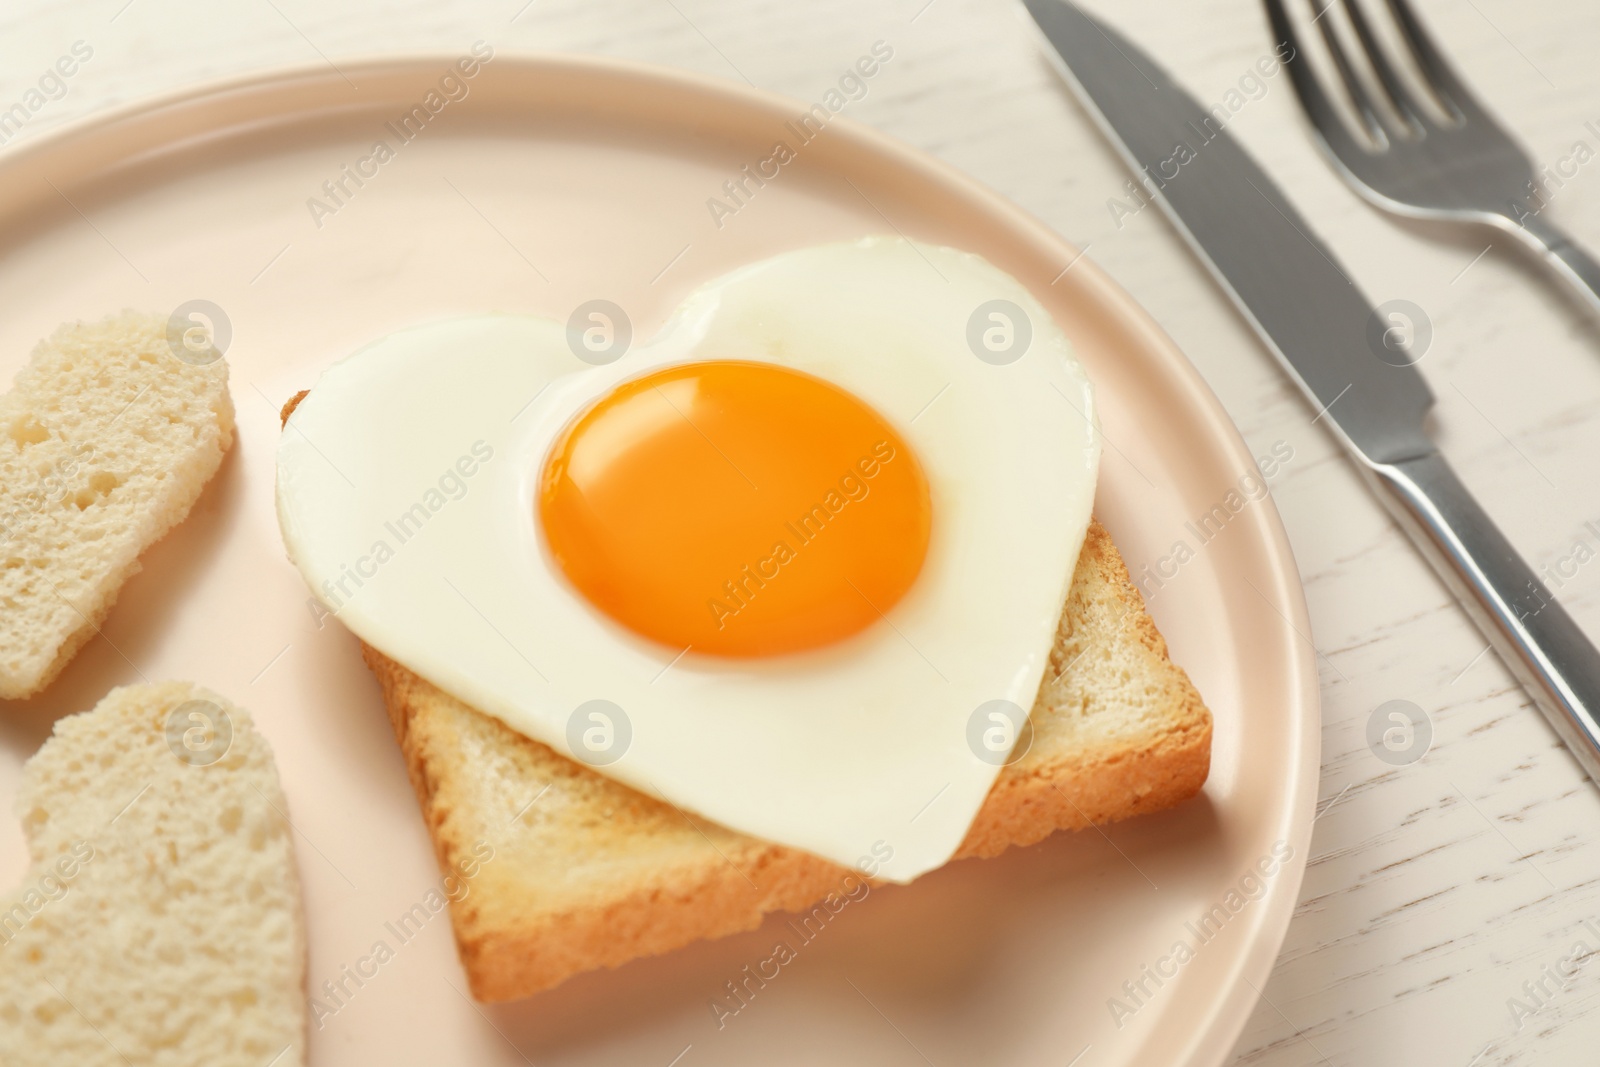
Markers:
1312,317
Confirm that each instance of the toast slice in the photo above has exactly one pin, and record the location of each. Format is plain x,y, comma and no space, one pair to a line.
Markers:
589,873
160,922
106,439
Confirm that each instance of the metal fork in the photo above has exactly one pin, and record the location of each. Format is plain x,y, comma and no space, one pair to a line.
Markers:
1464,169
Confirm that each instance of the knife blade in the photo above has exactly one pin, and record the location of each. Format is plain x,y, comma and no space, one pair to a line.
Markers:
1279,273
1326,334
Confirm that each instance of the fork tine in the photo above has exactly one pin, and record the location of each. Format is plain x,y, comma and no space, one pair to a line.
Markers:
1405,105
1353,85
1450,90
1319,106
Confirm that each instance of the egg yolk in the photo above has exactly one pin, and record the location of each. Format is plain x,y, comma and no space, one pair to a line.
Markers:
736,509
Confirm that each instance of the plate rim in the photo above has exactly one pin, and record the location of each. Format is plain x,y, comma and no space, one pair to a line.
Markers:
1216,1039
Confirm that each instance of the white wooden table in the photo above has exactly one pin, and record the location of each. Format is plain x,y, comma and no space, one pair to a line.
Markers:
1435,889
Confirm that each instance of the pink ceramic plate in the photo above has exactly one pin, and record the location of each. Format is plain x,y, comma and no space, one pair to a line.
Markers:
551,182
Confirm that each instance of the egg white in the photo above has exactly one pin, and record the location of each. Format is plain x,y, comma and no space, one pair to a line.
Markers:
856,750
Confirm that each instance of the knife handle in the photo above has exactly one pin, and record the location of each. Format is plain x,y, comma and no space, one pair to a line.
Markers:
1531,631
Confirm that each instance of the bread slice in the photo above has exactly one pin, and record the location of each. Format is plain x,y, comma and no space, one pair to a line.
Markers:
160,923
589,873
106,439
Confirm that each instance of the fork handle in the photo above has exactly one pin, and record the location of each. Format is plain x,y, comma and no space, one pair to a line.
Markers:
1562,253
1533,634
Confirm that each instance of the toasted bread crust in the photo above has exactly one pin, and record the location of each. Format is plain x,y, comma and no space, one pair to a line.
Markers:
510,945
1075,785
591,873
